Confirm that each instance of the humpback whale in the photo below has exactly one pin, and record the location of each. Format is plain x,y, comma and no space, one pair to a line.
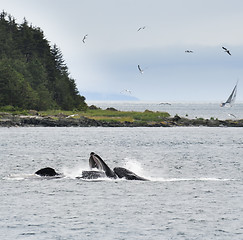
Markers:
98,169
47,172
95,161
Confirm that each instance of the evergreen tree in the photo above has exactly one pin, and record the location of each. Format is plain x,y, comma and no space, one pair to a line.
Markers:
33,75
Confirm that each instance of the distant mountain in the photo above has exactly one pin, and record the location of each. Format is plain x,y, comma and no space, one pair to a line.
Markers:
95,96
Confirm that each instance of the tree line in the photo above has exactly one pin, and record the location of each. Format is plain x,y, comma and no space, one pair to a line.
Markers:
33,74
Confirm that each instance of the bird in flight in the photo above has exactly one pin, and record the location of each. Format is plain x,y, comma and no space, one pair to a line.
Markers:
141,28
226,50
188,51
84,38
140,69
230,114
126,91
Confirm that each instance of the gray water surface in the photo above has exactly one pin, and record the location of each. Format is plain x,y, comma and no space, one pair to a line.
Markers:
195,192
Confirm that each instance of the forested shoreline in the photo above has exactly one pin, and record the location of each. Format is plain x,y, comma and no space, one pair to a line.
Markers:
33,74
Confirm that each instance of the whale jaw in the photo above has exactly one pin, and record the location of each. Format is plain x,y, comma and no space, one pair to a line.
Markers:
92,174
95,161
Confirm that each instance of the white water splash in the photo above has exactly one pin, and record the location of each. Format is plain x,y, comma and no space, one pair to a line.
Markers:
134,166
20,176
73,172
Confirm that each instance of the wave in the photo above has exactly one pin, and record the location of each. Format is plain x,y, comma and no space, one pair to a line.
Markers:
201,179
20,176
76,173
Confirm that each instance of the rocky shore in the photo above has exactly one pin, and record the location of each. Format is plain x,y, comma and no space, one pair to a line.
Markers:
10,120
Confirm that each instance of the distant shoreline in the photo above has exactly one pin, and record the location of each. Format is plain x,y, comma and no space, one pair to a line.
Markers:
188,110
10,120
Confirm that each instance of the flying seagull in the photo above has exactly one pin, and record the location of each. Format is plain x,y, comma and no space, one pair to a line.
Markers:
126,91
141,28
84,38
226,50
140,70
188,51
231,114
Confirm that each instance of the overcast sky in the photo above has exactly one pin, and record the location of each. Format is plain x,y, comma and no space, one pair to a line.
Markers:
107,62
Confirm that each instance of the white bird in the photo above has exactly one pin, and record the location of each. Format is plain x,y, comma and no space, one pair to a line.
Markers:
84,38
140,70
141,28
127,91
230,114
73,115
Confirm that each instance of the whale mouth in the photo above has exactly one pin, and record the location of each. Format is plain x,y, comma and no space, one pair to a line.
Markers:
95,161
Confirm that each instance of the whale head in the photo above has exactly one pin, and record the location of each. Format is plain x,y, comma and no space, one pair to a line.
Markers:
95,161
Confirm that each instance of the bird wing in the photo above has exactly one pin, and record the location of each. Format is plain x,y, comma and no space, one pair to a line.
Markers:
85,38
230,114
140,70
225,48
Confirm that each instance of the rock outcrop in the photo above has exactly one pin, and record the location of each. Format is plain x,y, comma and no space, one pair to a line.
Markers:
9,120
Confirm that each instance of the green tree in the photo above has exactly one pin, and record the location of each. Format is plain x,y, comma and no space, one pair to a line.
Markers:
14,90
32,73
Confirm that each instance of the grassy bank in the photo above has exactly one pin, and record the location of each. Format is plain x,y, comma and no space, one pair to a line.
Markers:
121,116
105,118
109,115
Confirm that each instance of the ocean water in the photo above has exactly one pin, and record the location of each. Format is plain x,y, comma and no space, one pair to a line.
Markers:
189,110
195,189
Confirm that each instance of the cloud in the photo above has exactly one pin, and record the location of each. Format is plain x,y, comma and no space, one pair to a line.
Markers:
169,73
107,62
